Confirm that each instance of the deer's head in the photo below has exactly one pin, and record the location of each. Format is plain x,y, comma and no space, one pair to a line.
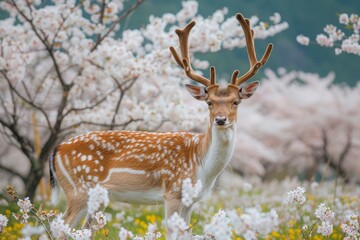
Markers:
222,100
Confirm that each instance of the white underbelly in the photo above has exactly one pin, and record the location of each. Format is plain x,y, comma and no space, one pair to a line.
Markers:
149,197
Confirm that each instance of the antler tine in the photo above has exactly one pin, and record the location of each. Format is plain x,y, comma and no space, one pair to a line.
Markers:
255,65
185,62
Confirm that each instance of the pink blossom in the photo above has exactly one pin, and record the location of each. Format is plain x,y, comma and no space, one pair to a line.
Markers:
322,40
303,40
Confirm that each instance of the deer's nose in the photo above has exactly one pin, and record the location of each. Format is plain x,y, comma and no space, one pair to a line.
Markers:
220,120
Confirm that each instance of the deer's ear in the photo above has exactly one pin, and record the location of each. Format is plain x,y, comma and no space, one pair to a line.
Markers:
197,92
248,90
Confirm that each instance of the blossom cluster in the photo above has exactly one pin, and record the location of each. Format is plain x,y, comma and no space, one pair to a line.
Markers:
296,196
289,140
151,234
189,191
333,36
253,222
325,215
177,226
219,227
25,207
351,227
3,222
97,197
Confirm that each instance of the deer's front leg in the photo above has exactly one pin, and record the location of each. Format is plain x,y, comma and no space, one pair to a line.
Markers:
173,204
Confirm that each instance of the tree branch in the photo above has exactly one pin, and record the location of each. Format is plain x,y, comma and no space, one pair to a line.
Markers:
122,17
31,103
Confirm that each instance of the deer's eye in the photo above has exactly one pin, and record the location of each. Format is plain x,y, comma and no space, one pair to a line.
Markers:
236,103
209,103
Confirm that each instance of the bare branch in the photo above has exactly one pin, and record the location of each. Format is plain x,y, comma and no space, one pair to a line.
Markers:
90,107
31,103
122,93
25,144
122,17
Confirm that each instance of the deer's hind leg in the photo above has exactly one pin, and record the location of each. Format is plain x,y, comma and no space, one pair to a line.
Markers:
75,209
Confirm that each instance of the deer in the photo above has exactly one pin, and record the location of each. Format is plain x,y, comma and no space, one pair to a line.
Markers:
150,167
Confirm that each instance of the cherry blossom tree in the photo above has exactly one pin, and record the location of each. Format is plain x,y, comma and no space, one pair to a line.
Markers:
337,38
63,72
301,121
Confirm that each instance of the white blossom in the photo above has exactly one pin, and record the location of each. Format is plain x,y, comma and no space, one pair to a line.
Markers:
98,196
276,18
296,196
59,228
253,222
3,222
325,229
100,219
344,18
125,234
351,228
25,207
324,213
83,234
189,191
303,40
322,40
219,227
29,231
177,226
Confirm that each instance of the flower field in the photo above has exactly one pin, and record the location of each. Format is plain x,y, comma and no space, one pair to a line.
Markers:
237,209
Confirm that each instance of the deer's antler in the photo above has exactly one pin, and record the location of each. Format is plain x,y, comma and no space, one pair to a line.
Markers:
255,65
185,63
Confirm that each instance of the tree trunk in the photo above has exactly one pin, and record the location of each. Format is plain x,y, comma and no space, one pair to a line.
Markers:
33,180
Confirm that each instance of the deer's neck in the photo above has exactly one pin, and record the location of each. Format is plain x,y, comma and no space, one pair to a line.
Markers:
217,148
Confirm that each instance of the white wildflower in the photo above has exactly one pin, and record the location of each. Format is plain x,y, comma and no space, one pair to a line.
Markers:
219,227
58,227
177,226
125,234
83,234
98,196
189,191
296,195
324,213
253,222
152,232
29,230
325,229
25,205
3,222
100,219
351,228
